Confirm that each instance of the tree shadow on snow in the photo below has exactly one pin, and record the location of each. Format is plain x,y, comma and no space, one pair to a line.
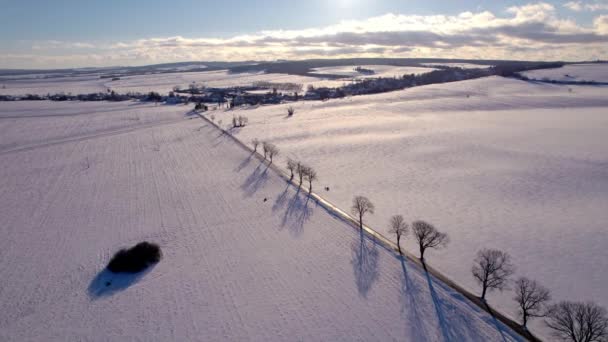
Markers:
107,283
365,263
410,293
455,321
439,310
244,163
256,180
221,136
297,212
281,199
502,330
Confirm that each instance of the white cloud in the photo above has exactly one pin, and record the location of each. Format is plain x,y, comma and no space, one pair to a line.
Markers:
601,24
532,31
580,6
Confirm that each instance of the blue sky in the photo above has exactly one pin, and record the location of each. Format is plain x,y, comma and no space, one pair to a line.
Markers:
65,33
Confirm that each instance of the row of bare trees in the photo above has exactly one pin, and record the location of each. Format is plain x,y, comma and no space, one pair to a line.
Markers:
240,121
270,150
492,269
425,233
569,321
304,172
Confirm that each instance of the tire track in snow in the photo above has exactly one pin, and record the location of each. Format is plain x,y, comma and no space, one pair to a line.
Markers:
90,136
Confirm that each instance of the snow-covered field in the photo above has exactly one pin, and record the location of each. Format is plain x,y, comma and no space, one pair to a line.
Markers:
235,267
28,124
380,71
161,83
494,162
572,73
43,86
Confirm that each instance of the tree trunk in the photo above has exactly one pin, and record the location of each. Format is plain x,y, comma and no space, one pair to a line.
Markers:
422,253
483,292
361,221
399,244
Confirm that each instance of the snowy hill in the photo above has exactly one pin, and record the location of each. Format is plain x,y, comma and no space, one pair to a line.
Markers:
81,181
494,162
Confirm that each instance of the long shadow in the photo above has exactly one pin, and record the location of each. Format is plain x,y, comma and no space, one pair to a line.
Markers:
220,138
107,283
443,324
297,213
255,180
244,163
497,324
365,263
281,199
460,326
409,302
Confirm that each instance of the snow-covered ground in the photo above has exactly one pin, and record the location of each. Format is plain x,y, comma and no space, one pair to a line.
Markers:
27,124
161,83
43,86
494,162
572,73
380,71
235,267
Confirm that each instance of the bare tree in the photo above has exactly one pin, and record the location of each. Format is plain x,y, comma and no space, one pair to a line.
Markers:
272,151
301,170
361,206
291,166
255,142
311,176
578,322
399,228
428,237
242,121
265,146
290,111
492,270
531,298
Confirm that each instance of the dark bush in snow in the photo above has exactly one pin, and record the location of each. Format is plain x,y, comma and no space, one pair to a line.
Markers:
136,258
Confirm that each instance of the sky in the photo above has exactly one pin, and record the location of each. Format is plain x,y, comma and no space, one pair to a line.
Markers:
70,33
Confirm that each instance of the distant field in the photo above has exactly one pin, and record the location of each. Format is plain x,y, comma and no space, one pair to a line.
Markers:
572,72
380,71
